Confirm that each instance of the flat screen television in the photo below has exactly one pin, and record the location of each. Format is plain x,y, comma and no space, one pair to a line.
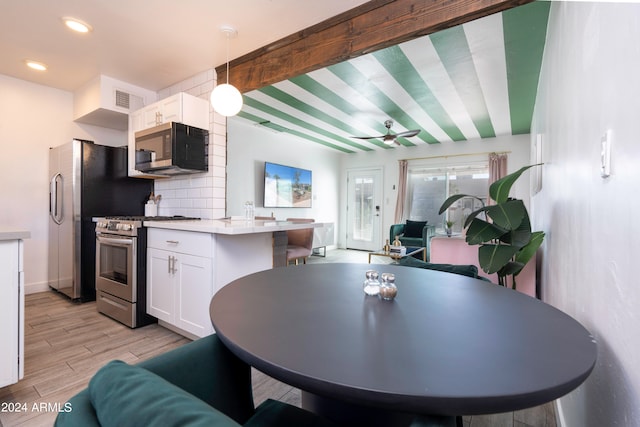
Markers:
286,186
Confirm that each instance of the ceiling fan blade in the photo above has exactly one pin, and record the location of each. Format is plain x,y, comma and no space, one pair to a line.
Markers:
369,137
408,134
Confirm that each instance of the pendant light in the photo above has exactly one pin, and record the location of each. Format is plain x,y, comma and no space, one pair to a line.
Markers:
225,98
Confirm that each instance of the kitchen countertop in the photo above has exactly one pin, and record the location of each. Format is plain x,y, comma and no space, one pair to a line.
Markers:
13,234
231,227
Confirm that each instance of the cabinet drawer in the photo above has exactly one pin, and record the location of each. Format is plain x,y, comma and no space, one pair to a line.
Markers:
186,242
116,308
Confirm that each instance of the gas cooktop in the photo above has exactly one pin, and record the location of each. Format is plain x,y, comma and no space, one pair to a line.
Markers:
151,218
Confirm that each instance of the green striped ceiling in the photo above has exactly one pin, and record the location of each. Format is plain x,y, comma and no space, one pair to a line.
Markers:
477,80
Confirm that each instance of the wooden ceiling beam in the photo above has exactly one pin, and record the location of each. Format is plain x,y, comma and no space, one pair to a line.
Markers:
372,26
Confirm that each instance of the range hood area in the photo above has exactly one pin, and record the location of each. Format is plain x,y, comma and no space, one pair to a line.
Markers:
107,102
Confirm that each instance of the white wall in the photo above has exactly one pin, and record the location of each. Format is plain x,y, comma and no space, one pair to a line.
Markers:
387,160
590,84
249,147
32,119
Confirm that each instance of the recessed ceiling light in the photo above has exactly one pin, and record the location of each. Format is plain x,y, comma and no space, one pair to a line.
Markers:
77,25
35,65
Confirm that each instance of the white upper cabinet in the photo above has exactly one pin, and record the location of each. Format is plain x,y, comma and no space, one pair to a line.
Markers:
181,108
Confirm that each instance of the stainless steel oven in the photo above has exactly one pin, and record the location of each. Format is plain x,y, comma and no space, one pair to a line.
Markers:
115,266
120,270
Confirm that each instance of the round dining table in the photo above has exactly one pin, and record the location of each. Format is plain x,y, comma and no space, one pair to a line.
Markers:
447,344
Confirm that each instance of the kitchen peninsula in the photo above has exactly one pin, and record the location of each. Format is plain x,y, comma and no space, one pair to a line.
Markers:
189,261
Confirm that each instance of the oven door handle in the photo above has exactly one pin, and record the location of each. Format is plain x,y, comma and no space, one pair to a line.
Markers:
115,241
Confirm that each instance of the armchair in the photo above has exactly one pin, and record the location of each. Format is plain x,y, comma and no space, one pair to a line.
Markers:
200,383
422,240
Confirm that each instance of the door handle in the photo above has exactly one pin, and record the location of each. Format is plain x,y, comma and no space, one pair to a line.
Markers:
172,265
116,241
55,210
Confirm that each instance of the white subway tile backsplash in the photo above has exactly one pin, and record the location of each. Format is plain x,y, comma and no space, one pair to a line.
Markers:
219,193
198,182
219,171
219,161
182,193
218,140
205,89
161,185
171,203
219,182
199,203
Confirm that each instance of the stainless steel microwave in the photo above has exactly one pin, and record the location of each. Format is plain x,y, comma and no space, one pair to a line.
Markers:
172,149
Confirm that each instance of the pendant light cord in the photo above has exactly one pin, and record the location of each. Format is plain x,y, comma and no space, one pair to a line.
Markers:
228,35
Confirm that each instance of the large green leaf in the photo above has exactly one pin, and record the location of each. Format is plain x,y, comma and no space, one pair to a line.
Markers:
507,215
482,231
451,200
473,215
493,257
511,267
521,236
527,252
499,190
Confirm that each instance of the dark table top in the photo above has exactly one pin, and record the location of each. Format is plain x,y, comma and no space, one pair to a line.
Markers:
448,344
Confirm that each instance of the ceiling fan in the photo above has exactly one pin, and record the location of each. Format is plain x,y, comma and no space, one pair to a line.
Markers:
391,138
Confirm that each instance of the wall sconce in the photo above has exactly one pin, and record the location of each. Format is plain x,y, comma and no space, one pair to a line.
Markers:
225,98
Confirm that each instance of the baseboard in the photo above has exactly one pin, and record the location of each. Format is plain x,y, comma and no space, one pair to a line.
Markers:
559,414
178,330
34,288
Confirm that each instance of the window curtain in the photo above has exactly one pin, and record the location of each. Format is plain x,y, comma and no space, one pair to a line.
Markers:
402,190
497,168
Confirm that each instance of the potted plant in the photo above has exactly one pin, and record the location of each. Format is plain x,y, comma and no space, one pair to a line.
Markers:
448,224
504,235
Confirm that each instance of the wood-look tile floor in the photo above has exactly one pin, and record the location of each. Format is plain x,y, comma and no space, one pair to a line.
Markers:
66,343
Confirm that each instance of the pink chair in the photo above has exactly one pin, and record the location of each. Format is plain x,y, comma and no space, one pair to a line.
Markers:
299,242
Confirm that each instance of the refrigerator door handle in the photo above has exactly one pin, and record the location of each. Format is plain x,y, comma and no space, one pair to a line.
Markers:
55,210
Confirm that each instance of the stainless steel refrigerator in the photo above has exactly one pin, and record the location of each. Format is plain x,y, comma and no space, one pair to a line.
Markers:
86,180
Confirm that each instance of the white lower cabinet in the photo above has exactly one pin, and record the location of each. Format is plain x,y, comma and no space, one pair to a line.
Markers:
180,279
11,312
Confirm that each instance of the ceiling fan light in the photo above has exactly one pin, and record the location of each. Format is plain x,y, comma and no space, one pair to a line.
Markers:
226,100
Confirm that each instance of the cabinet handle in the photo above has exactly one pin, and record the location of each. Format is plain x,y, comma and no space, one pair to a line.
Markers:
173,266
169,264
173,242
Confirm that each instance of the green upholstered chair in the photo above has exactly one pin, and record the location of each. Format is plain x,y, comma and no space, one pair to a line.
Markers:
413,233
464,270
199,384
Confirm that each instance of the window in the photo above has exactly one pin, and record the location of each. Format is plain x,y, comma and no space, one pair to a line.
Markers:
429,186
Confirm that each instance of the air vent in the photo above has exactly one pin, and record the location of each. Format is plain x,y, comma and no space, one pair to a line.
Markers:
128,101
122,99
